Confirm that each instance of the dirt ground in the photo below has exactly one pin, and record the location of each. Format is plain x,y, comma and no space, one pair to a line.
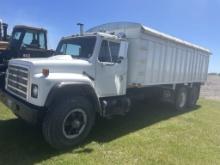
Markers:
211,89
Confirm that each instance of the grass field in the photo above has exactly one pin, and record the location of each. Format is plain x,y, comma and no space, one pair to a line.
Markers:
149,134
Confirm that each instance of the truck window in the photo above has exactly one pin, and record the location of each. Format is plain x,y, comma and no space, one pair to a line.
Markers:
28,37
77,47
109,51
16,36
30,40
42,41
114,48
73,50
104,54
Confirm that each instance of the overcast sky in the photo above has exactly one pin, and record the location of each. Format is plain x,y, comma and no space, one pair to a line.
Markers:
197,21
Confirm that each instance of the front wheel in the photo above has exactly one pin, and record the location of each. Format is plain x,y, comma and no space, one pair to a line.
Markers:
68,122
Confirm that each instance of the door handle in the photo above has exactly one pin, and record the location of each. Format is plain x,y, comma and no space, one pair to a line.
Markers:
107,64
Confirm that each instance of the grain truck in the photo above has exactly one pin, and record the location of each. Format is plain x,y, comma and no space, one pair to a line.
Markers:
97,73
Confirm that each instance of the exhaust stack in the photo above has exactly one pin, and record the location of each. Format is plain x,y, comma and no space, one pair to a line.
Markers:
3,31
5,28
81,26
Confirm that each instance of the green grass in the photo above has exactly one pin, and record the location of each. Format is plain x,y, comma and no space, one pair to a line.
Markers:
149,134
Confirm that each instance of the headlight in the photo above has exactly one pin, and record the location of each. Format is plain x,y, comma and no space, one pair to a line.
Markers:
34,91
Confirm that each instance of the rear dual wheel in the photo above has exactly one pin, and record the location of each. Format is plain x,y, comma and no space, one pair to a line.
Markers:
193,96
186,97
181,95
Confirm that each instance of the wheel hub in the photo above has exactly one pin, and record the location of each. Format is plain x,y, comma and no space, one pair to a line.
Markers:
74,123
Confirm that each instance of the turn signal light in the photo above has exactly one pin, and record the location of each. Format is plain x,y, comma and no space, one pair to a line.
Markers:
45,72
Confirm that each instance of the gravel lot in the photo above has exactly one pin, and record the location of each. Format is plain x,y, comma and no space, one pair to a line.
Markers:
211,90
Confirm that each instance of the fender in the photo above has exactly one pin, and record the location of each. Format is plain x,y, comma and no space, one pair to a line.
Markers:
69,88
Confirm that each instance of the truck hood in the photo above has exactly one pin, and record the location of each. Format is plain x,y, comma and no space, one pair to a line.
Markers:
56,64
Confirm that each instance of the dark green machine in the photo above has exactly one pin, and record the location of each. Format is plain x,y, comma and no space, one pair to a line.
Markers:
25,42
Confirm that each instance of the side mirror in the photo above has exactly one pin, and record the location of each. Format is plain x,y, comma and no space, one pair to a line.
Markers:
119,59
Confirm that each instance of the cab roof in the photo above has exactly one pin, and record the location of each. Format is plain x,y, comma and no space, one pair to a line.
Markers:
29,28
94,34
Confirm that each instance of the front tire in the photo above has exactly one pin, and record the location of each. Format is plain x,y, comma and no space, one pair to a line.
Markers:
68,122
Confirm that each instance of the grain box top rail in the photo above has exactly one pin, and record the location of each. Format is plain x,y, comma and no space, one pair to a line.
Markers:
128,25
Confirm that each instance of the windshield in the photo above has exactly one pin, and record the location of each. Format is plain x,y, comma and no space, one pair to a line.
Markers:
28,39
81,47
16,35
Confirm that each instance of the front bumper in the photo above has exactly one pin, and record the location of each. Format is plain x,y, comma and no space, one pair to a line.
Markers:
28,112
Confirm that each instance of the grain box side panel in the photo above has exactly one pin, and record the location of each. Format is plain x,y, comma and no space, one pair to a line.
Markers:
168,64
157,67
155,61
141,60
200,67
206,67
174,58
197,67
190,58
137,59
186,71
186,66
204,71
132,53
156,64
162,69
150,62
182,63
178,65
194,65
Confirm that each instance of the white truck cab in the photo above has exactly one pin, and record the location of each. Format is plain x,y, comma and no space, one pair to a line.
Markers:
89,59
97,73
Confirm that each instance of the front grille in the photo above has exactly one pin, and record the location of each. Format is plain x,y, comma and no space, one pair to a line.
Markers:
17,80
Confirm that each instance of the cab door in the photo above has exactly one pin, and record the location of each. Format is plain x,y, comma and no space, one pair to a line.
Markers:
111,68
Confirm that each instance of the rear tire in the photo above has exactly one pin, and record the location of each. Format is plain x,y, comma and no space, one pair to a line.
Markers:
181,98
68,122
193,96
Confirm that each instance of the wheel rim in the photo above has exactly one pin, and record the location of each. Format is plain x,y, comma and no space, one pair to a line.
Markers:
182,99
74,123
